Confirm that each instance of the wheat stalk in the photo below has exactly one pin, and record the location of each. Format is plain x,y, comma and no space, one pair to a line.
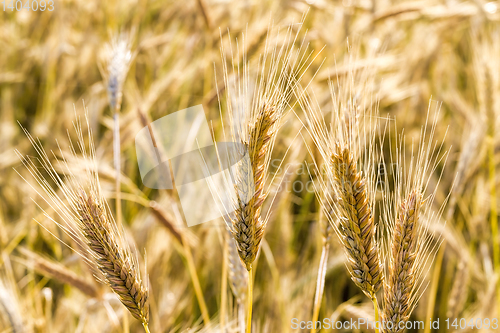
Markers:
118,57
237,273
346,191
327,232
10,307
410,247
88,221
255,114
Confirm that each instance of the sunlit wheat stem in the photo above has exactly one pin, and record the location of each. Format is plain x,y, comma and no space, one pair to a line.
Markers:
224,277
377,316
196,283
320,282
250,301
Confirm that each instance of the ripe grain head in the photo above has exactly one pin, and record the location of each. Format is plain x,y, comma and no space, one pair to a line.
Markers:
83,214
409,246
257,97
346,141
116,59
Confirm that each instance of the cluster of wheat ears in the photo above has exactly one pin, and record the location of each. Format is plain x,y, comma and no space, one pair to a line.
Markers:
380,218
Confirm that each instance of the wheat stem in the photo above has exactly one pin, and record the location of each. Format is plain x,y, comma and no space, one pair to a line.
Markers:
223,296
434,285
116,160
179,236
320,284
250,299
493,208
126,324
196,282
377,317
493,203
146,327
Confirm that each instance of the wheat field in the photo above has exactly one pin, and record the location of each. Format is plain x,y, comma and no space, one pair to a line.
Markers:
367,187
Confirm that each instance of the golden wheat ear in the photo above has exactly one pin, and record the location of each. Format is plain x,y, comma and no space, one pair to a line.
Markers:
113,261
247,225
410,247
401,275
356,226
346,141
85,217
256,102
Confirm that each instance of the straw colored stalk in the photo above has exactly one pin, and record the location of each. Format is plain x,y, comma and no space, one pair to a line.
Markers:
183,237
327,232
10,308
80,204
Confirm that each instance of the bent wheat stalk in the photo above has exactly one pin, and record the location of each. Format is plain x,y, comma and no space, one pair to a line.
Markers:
247,225
88,221
59,272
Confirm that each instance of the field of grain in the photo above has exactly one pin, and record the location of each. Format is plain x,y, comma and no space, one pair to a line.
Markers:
373,163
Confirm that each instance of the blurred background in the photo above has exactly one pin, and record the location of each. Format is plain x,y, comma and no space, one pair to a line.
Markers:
437,54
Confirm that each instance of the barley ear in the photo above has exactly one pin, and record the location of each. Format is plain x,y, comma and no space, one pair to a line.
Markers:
116,58
356,225
401,279
247,225
115,264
